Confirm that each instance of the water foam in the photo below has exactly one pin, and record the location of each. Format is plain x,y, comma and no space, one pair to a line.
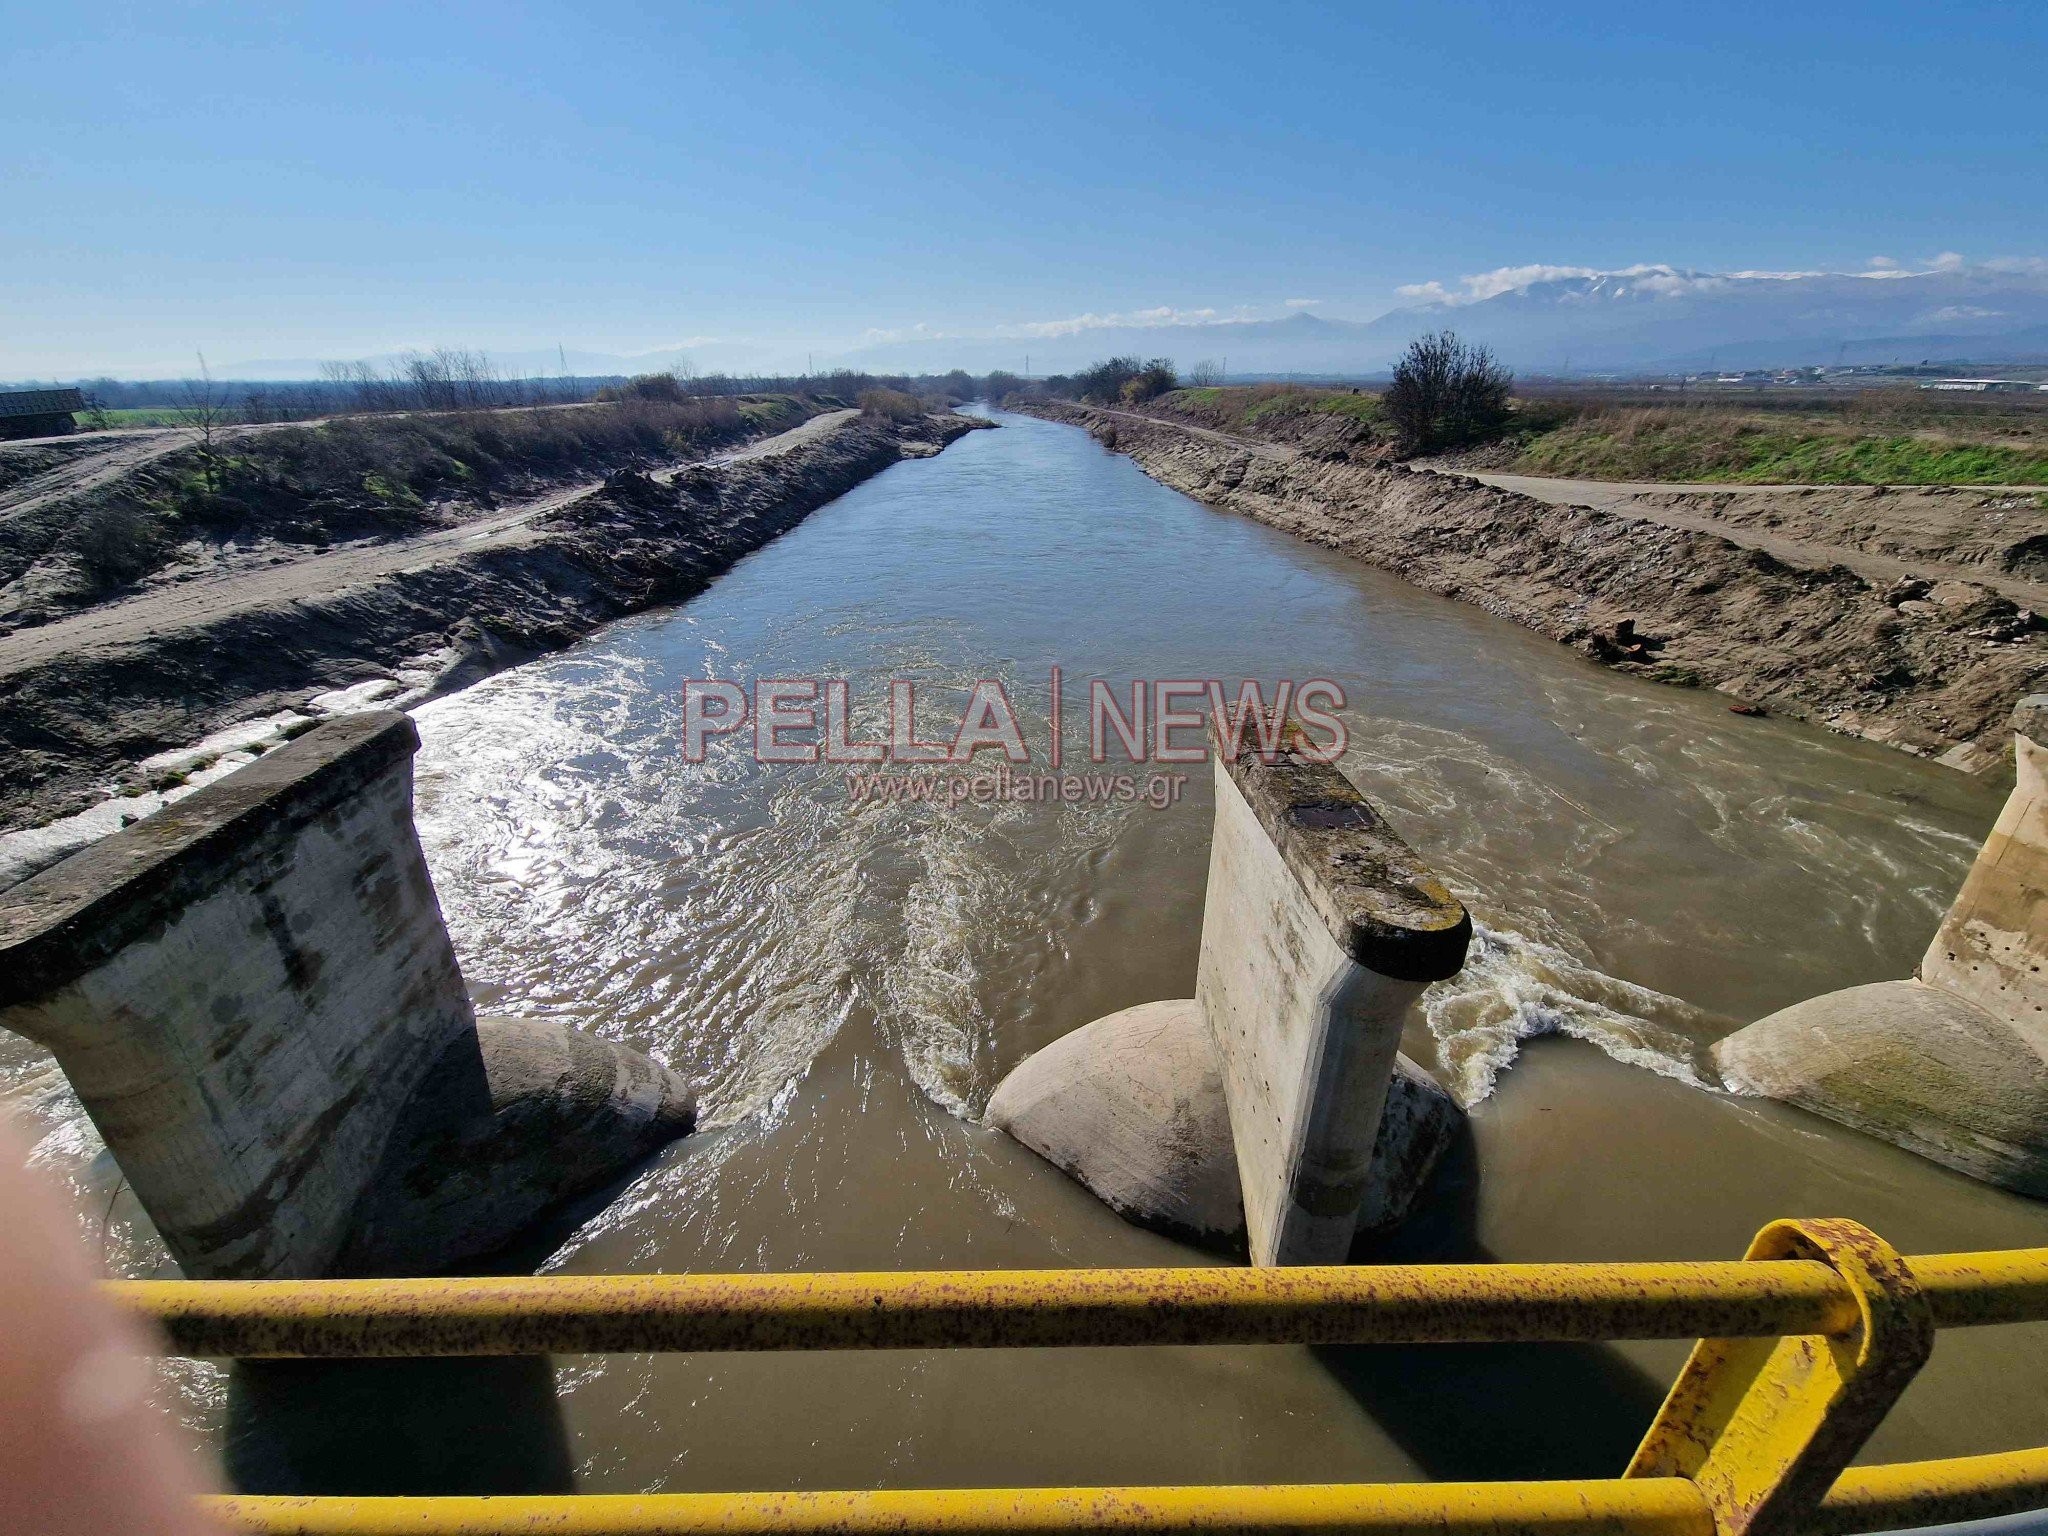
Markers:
1514,988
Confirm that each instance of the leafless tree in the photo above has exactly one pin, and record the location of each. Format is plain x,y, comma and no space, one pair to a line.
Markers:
205,409
302,403
341,386
1206,374
455,379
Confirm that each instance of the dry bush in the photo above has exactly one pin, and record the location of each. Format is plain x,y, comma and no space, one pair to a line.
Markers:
1156,379
891,405
117,541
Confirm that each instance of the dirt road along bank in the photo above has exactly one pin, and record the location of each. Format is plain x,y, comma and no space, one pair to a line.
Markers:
84,698
1931,666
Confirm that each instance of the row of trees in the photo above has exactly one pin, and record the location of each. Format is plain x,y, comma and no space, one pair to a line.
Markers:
933,390
453,379
446,379
1444,393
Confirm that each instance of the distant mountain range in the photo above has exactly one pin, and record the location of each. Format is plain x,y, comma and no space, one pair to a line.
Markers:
1648,319
1660,318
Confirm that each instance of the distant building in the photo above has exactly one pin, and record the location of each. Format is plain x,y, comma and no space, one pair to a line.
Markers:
1983,386
38,412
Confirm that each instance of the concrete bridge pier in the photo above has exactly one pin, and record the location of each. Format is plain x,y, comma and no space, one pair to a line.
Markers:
1951,1063
1273,1108
253,994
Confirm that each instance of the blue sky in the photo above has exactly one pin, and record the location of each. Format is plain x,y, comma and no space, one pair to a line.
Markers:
349,180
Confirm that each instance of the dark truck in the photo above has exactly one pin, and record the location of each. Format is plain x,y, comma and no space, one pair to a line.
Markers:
39,412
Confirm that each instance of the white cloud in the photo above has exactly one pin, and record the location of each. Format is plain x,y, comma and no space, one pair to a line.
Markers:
1159,316
1305,303
1883,264
1488,285
1667,283
1477,287
919,332
1947,261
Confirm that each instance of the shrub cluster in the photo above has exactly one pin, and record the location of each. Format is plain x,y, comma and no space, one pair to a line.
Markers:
1126,380
891,404
1446,394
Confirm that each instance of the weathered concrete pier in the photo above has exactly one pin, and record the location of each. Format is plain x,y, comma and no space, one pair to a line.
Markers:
1952,1063
1274,1104
254,996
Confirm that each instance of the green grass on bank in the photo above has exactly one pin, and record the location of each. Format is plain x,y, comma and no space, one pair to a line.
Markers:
1265,407
774,413
142,416
1735,449
1890,437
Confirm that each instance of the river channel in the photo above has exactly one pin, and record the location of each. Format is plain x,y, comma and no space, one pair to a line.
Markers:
849,979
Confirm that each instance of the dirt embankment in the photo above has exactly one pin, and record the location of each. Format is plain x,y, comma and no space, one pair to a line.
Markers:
84,698
1996,537
1932,667
91,522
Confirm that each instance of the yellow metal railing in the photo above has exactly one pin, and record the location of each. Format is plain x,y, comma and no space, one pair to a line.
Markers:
1803,1347
1864,1499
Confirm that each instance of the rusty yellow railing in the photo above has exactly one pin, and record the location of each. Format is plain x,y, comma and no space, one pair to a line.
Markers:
1865,1499
1804,1345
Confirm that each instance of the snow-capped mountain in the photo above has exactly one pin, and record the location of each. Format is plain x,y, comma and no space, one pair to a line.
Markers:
1647,318
1656,316
1537,319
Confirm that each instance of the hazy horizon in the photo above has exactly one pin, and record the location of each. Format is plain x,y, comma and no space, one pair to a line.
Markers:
784,190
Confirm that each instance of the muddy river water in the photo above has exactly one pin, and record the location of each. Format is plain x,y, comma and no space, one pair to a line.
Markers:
849,981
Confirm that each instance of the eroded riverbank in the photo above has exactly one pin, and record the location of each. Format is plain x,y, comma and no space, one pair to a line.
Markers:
1935,673
82,698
